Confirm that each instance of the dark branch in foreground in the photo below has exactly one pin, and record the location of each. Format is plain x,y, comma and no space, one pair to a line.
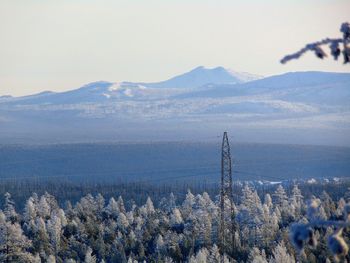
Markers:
337,46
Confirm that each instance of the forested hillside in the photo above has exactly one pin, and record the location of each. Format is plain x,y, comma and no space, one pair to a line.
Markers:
96,229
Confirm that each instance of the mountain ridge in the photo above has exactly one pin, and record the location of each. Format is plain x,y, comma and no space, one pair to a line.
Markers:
246,78
201,75
293,107
195,78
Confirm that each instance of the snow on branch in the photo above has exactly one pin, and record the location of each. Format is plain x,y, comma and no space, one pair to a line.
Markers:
337,46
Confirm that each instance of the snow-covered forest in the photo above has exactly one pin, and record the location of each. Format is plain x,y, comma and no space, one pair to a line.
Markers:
96,229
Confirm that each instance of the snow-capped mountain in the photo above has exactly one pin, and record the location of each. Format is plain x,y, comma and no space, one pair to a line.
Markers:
299,107
201,76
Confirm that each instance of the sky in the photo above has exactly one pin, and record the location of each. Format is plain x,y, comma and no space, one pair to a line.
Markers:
60,45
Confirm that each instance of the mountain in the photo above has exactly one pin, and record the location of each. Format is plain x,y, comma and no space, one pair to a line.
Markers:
201,76
315,87
296,107
103,91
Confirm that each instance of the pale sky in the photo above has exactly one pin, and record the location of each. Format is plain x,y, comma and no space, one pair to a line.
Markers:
63,44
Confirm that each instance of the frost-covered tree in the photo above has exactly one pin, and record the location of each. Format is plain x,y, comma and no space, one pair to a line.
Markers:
14,244
268,201
214,254
200,257
280,254
100,203
89,258
188,204
122,221
131,260
9,209
328,204
30,210
112,209
176,217
257,256
149,206
121,204
159,244
250,215
296,202
280,196
54,229
92,230
40,237
51,259
44,209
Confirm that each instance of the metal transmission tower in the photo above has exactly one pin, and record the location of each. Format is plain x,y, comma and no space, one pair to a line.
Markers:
227,217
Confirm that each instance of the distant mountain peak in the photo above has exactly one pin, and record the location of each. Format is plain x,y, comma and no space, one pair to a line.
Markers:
201,76
219,71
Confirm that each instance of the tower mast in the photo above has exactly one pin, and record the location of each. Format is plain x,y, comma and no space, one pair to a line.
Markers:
227,217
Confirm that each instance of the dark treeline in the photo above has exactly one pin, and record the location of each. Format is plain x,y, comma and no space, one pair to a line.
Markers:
138,191
65,189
